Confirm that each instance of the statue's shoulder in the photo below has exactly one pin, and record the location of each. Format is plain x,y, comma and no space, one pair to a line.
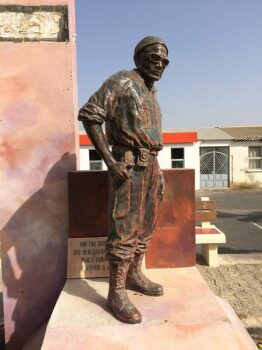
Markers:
120,79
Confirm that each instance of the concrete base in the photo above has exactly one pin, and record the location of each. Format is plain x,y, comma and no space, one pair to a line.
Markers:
232,259
209,236
188,316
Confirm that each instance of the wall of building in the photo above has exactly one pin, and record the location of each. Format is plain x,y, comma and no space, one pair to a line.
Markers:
214,143
239,164
84,158
191,158
239,171
238,161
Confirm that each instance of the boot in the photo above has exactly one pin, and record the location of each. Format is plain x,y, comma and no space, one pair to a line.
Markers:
117,300
137,281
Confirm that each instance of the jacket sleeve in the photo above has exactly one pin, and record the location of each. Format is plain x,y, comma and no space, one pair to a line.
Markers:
100,106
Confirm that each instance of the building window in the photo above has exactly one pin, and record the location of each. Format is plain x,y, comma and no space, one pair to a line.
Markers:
95,161
177,157
254,154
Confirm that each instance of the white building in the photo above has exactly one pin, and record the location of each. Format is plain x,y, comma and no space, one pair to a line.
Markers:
220,156
245,154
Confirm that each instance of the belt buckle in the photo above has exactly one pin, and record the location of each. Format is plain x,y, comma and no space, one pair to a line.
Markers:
143,156
123,154
129,158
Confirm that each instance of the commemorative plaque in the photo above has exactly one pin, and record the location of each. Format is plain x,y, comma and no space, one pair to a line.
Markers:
86,258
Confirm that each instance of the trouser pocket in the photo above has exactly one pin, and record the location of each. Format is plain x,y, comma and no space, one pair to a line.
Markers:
121,193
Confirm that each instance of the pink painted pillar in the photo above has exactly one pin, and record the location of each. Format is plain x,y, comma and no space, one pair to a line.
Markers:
38,144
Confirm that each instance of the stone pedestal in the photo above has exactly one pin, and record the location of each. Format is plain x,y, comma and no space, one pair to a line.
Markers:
37,149
188,316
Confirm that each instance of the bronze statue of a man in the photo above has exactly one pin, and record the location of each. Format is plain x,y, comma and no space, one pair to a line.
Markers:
127,103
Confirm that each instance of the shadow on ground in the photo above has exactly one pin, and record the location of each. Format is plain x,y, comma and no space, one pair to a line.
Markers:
245,217
83,290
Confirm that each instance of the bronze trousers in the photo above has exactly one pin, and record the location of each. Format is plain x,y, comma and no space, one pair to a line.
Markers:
133,207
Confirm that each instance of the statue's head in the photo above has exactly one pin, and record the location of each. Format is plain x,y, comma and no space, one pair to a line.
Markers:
150,57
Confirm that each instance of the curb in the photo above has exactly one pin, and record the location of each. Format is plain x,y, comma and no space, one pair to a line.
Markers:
234,259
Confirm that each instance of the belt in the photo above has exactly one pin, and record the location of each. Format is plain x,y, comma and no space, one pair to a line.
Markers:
145,151
136,150
134,155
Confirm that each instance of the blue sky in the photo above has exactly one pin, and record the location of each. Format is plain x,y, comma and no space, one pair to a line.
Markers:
215,49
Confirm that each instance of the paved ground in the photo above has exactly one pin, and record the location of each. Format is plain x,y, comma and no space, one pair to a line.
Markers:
240,218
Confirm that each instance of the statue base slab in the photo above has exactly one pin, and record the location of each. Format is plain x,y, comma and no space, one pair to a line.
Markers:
188,316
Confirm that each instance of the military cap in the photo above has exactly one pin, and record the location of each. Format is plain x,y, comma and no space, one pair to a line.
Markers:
147,41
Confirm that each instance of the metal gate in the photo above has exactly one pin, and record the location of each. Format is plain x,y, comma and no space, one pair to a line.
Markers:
214,167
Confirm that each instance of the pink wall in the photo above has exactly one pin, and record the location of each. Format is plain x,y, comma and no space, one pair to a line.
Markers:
37,149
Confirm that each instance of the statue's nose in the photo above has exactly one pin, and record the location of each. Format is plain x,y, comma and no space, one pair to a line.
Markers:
160,64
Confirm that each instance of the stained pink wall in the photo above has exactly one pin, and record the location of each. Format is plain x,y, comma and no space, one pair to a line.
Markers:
37,148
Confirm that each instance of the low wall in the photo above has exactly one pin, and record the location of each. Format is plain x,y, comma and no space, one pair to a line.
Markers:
173,244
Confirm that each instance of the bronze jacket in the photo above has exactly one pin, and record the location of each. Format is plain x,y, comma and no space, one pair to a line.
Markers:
130,111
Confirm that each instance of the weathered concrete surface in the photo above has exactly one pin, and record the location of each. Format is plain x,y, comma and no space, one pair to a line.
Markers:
37,149
188,316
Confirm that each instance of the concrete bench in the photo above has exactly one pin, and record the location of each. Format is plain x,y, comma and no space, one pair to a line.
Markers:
207,234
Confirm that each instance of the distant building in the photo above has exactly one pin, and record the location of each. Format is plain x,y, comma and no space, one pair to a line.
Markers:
220,156
245,154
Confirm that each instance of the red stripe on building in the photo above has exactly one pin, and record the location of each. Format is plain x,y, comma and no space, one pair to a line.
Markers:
179,137
84,140
168,137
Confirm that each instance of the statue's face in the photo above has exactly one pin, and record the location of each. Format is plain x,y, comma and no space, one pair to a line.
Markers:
153,61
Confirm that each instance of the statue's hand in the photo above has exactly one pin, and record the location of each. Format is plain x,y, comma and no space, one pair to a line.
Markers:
119,171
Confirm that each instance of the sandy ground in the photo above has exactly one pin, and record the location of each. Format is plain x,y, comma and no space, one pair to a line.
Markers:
241,285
